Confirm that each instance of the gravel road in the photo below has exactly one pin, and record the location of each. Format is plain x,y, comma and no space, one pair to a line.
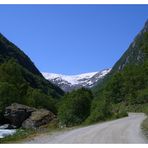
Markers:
124,130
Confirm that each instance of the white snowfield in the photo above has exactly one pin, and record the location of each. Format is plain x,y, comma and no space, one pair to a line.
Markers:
74,79
124,130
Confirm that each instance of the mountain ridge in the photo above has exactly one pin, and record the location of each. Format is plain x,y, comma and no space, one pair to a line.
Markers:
135,54
9,50
71,82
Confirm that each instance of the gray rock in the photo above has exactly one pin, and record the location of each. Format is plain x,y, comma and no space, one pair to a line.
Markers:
7,126
17,113
38,118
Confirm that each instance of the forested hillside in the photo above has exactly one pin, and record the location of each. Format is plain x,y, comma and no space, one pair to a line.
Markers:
21,81
125,88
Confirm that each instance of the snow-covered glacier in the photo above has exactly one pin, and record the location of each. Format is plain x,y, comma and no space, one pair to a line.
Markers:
70,82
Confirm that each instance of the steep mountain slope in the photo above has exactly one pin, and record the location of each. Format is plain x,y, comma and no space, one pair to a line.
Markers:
21,81
71,82
9,50
134,55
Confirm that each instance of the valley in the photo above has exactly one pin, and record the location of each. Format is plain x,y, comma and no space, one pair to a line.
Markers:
30,99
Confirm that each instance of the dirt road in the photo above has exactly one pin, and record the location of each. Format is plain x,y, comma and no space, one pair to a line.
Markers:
125,130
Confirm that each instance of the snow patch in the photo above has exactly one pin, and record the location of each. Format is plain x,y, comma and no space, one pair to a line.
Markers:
75,79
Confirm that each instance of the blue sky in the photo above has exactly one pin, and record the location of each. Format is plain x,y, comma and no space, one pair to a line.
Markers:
72,39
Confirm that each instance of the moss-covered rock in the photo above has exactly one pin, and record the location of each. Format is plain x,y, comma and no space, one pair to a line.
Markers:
38,118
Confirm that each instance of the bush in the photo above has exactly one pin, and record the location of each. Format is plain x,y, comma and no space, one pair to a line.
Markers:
145,126
121,114
75,107
100,110
142,96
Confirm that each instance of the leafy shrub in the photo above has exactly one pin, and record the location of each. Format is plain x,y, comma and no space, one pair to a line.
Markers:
100,110
142,96
145,126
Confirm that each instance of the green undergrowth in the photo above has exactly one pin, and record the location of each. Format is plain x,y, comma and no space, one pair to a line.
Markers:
122,107
145,127
145,122
20,134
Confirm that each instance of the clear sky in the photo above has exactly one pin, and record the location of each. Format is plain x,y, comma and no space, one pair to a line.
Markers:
72,39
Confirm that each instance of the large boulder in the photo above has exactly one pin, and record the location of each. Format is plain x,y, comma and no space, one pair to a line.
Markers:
17,113
38,118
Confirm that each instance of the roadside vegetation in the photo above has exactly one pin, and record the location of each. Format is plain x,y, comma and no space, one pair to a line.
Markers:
19,135
22,134
145,127
75,107
126,91
79,107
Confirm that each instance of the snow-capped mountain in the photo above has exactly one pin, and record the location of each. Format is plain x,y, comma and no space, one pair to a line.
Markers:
70,82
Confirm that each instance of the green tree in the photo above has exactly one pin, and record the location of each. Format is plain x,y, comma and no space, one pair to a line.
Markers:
8,95
114,89
142,96
101,109
11,72
37,98
75,107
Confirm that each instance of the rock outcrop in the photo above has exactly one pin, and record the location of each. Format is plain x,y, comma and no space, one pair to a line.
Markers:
38,118
24,116
17,113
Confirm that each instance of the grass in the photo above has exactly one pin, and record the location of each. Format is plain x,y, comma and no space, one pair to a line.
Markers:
145,122
20,134
145,127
